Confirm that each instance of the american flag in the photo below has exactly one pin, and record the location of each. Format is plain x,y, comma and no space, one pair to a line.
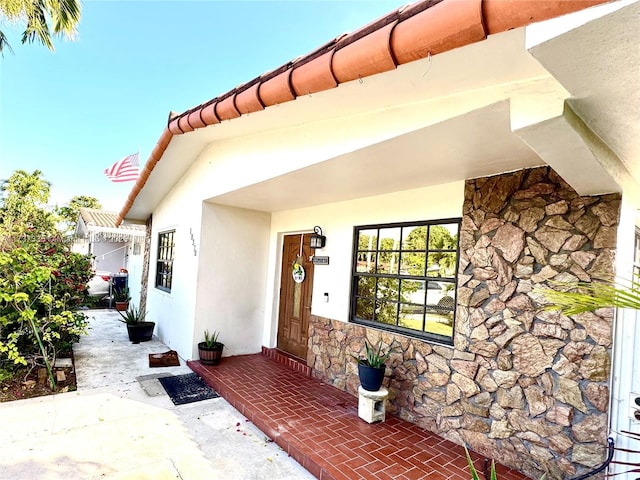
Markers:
125,170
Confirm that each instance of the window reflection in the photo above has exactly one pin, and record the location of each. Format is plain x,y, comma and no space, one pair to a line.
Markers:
405,277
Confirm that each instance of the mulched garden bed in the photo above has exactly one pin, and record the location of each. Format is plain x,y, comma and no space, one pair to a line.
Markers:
36,383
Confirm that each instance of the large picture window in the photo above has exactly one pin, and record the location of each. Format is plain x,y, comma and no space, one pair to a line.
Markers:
404,277
164,262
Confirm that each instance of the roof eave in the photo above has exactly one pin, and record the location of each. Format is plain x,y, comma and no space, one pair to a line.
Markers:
426,28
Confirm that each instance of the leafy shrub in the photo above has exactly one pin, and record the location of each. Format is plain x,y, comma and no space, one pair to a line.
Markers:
5,374
41,281
40,284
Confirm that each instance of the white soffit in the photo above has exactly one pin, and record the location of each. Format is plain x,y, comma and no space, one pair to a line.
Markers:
475,144
595,55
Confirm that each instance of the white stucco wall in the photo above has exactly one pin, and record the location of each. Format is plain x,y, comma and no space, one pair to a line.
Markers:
337,221
232,277
173,311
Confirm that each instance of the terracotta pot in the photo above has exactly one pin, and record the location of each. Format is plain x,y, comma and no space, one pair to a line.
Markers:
371,378
210,356
122,306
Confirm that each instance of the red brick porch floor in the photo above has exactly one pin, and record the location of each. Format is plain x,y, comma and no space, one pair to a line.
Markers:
318,425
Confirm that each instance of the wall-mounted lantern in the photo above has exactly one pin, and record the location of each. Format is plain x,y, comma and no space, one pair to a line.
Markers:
317,239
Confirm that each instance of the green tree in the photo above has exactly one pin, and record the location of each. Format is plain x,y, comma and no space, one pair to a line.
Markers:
41,19
23,204
41,281
438,263
69,212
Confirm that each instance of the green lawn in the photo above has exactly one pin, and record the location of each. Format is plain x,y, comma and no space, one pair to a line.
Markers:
436,324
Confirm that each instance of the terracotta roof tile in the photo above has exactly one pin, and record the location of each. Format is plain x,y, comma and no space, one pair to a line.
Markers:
438,29
195,119
183,124
226,109
277,89
366,56
174,126
501,15
248,100
314,76
425,28
208,114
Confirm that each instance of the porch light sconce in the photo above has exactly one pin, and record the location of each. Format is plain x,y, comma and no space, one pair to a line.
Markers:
317,239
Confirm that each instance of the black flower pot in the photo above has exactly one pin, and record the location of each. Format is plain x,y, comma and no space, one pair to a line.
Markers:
140,332
210,355
371,377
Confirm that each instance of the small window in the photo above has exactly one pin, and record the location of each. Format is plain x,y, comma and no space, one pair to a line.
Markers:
164,263
404,278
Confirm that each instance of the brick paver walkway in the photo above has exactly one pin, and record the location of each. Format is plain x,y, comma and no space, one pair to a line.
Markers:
318,425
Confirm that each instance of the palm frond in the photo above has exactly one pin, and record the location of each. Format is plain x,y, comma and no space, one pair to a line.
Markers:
37,27
4,43
43,19
581,297
65,15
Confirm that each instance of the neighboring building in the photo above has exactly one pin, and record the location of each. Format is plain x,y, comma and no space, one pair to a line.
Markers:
456,156
112,248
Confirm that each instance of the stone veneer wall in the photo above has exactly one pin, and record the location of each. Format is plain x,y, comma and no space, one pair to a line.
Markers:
525,386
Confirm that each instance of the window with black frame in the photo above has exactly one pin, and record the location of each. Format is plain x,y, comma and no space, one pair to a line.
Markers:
404,277
164,262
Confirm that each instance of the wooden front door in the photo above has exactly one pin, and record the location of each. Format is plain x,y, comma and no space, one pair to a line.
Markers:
295,297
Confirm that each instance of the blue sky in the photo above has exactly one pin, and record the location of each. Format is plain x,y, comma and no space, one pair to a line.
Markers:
107,94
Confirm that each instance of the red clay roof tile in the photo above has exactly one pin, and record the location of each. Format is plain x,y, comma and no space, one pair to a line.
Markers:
226,108
208,114
276,90
195,120
314,76
164,139
425,28
174,127
501,15
443,27
366,56
183,124
248,100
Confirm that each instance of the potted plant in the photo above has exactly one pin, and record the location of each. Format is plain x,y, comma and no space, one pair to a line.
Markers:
138,329
121,297
371,368
210,351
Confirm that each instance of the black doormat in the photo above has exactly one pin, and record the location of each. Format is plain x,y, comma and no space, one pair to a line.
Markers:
187,388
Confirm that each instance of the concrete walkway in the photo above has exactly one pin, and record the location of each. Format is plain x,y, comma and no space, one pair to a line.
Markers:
120,424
